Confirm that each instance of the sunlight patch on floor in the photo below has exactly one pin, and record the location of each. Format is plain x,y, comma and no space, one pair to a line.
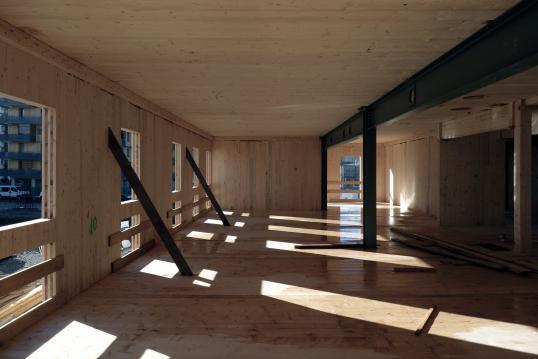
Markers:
370,310
351,254
152,354
230,239
200,235
161,268
317,232
213,221
73,340
208,274
316,220
522,338
201,283
239,224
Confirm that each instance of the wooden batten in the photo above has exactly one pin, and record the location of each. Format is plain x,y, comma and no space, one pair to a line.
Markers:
183,225
345,182
344,191
123,261
119,236
33,273
175,211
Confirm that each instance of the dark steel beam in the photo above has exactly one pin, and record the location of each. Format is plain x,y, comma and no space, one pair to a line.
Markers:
207,190
147,204
506,46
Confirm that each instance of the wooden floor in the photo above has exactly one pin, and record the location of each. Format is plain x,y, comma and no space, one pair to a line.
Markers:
255,296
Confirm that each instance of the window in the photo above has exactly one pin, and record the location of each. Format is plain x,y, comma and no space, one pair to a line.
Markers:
195,155
133,242
196,209
176,219
176,167
27,191
208,167
350,171
130,143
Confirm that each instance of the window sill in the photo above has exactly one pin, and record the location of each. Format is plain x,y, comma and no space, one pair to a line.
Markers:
25,223
131,201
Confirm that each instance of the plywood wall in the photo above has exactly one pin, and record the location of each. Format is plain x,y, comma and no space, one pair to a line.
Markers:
412,174
87,176
335,153
459,181
473,180
267,173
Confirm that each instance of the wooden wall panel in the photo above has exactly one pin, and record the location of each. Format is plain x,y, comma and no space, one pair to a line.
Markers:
473,180
267,173
87,177
413,167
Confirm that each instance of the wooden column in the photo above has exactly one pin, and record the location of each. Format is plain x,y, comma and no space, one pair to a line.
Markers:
522,179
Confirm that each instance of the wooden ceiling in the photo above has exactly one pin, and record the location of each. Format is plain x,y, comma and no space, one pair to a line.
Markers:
255,68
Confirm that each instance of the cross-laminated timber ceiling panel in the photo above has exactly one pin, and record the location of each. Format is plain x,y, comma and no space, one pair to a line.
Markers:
243,67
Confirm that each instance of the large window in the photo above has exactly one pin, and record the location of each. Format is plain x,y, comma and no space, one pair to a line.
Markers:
130,143
350,171
176,167
208,167
26,191
196,156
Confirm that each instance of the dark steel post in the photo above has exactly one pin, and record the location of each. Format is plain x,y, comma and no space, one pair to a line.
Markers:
147,204
207,190
323,177
369,182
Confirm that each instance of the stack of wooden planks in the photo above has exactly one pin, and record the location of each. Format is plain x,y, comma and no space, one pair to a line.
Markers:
463,252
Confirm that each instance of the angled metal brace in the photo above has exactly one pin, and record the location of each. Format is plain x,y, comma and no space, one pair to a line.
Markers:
147,204
207,190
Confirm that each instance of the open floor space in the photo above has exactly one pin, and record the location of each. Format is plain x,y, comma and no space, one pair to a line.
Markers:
255,296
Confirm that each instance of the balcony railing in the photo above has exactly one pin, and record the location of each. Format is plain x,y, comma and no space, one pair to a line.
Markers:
26,120
20,156
18,138
20,173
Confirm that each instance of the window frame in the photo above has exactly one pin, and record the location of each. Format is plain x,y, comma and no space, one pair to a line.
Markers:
134,161
176,167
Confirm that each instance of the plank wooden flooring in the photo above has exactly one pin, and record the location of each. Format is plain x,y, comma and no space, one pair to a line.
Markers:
255,296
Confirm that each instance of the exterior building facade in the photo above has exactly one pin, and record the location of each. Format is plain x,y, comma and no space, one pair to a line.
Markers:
20,146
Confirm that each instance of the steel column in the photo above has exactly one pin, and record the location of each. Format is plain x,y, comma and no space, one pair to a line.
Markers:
323,178
369,183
